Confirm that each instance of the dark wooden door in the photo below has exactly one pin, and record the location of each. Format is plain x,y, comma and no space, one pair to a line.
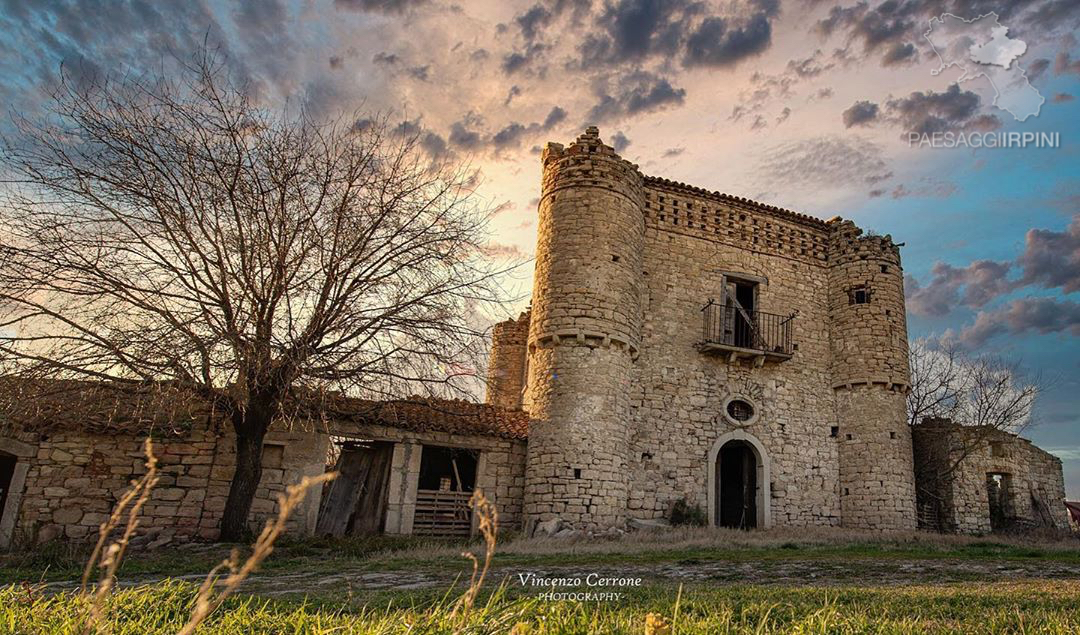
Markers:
356,502
736,472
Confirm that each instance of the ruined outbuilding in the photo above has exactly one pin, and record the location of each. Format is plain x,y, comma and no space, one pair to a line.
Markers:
975,480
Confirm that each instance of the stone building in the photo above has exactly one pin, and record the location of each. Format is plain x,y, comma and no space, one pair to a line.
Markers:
406,466
688,345
976,480
681,345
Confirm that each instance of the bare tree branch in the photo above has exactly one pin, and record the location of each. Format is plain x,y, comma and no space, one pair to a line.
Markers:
170,229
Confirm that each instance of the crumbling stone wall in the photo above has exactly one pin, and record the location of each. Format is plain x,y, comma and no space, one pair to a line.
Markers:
75,479
952,463
506,366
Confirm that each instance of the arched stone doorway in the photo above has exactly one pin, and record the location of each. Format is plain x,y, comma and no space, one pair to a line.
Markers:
739,494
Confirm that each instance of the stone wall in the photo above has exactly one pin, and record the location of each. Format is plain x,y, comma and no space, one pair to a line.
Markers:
500,469
583,334
600,289
506,366
952,464
869,365
75,478
678,393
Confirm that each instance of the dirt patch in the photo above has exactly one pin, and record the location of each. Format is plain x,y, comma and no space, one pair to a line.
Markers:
801,573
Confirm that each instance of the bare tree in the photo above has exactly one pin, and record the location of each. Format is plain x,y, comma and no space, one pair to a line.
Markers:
170,229
983,391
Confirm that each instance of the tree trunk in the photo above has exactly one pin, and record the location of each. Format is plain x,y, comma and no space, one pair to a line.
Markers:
250,426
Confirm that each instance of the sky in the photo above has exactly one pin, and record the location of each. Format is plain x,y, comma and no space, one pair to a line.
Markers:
805,104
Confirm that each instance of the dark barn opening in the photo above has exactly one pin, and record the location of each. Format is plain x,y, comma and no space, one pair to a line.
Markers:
441,468
736,472
447,480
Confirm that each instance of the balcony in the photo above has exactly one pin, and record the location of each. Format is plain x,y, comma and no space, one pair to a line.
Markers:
738,334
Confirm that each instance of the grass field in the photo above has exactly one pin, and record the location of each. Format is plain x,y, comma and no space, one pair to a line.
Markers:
698,581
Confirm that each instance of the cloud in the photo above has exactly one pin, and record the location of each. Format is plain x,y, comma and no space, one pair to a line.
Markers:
973,286
433,144
501,250
900,54
673,152
510,136
505,206
634,32
824,161
1052,259
379,6
637,93
809,67
619,141
533,20
929,112
1039,315
719,43
927,189
783,116
554,118
463,137
1037,68
515,91
861,113
1064,64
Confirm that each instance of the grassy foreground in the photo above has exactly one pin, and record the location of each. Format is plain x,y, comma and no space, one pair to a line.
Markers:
1022,607
61,561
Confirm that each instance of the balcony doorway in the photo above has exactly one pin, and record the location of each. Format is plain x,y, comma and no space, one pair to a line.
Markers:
740,303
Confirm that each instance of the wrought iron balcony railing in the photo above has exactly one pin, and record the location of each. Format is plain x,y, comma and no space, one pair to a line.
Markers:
727,328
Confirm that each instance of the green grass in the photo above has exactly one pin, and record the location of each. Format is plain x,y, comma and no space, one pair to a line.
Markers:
1029,607
57,561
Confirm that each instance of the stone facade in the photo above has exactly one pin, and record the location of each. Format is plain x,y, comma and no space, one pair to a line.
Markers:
74,478
627,407
68,480
956,468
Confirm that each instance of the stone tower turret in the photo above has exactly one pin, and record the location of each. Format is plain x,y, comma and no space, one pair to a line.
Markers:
868,333
506,366
584,333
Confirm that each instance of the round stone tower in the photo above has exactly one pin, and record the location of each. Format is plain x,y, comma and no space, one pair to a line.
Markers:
868,332
506,365
584,332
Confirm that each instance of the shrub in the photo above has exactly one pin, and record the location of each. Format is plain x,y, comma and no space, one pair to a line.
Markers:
686,513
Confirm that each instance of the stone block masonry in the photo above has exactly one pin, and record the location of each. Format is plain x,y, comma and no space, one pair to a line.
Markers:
75,479
628,411
506,367
955,466
584,332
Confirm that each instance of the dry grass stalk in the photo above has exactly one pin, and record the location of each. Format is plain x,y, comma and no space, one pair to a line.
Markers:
112,555
487,523
207,601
